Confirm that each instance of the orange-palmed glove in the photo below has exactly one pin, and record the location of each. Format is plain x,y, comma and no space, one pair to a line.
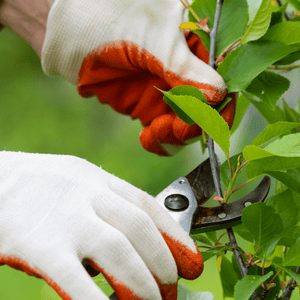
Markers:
119,50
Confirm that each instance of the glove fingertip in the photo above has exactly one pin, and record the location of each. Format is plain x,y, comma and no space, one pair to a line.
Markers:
228,112
189,263
150,144
183,131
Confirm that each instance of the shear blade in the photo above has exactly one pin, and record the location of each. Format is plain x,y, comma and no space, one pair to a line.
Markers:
215,218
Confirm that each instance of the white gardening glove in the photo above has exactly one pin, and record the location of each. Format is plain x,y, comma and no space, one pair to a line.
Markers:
119,50
57,210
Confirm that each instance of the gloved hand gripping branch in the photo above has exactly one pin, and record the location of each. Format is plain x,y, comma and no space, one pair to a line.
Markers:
119,50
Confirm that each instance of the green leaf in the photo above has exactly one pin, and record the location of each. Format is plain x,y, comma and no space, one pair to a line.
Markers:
241,108
276,18
225,171
265,225
290,180
295,3
243,232
232,24
205,116
204,8
282,154
290,272
204,38
185,294
271,116
284,205
268,86
285,32
289,59
180,92
272,131
291,114
229,277
212,236
293,256
247,285
202,239
260,24
213,252
243,64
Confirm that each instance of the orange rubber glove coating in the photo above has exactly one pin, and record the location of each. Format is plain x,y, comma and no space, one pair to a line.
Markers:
123,75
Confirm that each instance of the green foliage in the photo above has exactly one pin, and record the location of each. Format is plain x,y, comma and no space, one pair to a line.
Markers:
265,226
225,171
285,206
271,116
291,180
247,285
292,257
263,87
229,277
272,131
205,116
256,57
290,272
260,24
248,55
287,33
233,21
242,106
282,154
214,251
181,93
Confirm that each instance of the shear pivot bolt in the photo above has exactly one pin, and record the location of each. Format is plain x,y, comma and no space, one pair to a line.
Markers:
177,202
247,203
222,215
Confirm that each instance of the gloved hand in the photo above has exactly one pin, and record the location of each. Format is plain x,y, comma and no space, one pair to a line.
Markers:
119,50
57,210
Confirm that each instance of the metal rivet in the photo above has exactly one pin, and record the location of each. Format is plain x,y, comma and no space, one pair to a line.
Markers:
247,203
177,202
181,181
222,215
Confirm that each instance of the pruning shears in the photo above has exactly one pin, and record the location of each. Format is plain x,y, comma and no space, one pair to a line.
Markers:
183,199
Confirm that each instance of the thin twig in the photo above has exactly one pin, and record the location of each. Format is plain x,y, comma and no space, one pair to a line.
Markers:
212,157
240,186
287,293
230,168
284,68
188,6
285,14
242,165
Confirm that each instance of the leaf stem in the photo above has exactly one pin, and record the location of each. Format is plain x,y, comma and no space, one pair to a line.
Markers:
242,165
240,186
230,168
188,6
286,68
278,271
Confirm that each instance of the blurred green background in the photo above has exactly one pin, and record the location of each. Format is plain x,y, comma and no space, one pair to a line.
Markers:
45,115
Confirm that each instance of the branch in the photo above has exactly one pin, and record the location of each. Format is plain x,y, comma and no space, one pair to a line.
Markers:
287,293
212,157
285,14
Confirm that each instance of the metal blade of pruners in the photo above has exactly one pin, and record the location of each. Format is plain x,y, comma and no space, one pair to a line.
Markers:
183,199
